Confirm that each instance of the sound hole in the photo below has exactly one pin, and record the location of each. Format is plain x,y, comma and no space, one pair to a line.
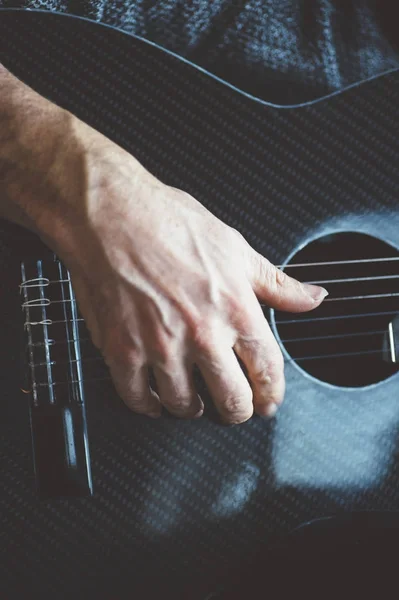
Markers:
352,339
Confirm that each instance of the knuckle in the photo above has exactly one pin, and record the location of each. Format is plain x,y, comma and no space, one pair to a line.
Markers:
238,310
131,396
280,277
262,375
186,195
269,382
181,405
273,369
123,357
161,350
238,235
236,408
263,268
119,349
232,404
182,194
276,397
135,401
201,336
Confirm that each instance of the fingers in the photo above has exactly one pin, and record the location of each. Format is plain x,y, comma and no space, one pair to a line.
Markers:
227,384
234,397
278,289
259,351
176,390
132,384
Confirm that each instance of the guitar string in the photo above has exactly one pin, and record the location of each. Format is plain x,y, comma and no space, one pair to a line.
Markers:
43,302
353,279
334,318
44,282
278,322
339,262
365,297
286,361
284,341
296,359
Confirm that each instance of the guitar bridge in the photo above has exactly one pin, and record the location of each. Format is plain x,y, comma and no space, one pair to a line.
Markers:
57,406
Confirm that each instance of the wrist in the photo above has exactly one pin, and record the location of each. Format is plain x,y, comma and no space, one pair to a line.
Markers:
31,132
57,174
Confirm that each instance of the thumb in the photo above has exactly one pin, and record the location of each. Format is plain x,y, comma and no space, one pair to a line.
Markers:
278,289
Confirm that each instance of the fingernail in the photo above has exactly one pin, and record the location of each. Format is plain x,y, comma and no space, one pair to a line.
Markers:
316,292
268,410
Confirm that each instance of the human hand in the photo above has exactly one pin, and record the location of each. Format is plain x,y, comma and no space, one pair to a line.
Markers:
160,281
163,283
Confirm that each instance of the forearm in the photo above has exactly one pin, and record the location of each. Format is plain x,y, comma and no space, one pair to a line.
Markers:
49,161
33,136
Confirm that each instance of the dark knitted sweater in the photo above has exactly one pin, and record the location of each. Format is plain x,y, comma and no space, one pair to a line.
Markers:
316,46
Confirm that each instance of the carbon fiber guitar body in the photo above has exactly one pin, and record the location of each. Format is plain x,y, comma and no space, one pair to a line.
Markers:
177,503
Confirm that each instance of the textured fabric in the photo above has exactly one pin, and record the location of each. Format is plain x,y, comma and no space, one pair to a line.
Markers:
318,46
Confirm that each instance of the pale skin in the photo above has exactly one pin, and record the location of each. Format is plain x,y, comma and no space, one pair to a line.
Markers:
160,281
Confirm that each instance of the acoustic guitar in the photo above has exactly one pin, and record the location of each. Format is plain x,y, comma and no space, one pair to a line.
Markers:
105,500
